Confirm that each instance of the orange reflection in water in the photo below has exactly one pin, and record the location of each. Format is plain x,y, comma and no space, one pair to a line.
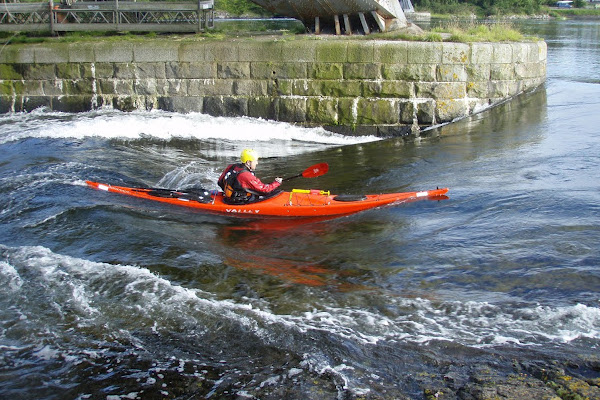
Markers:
249,237
298,272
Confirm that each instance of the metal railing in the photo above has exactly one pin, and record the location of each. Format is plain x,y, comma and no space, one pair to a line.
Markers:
107,16
407,6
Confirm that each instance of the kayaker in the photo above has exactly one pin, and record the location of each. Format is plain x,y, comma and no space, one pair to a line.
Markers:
241,186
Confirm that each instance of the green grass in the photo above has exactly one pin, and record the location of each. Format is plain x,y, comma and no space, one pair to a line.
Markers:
77,37
454,31
500,32
575,12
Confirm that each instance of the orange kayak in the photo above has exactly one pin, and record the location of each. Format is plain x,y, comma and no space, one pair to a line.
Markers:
295,204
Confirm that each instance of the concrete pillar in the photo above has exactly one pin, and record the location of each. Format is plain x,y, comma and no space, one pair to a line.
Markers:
347,26
363,21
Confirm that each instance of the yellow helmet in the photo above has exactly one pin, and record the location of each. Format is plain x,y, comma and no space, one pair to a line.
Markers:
248,155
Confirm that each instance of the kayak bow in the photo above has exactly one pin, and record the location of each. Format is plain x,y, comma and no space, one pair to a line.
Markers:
294,204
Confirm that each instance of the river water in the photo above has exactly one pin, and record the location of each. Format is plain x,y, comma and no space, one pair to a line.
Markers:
104,296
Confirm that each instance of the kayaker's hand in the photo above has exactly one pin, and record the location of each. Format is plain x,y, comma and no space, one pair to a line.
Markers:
278,179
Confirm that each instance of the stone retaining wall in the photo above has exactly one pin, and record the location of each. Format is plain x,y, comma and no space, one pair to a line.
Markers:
356,85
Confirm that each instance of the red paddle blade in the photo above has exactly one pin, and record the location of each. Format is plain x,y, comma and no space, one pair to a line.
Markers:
316,170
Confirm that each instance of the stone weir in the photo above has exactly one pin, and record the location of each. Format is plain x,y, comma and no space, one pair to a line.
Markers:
349,85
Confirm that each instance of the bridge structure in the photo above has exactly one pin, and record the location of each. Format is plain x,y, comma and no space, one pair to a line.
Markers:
342,16
318,16
154,16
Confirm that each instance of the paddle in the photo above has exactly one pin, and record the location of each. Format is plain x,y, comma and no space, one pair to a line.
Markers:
311,172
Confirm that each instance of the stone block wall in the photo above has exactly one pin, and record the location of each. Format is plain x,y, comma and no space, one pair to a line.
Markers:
350,85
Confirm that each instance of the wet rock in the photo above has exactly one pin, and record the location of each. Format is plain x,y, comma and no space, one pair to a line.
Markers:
518,386
535,380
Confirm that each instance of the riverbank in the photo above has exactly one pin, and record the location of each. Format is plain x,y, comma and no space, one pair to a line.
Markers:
575,13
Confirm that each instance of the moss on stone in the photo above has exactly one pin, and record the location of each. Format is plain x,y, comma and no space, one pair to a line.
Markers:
276,70
334,51
190,70
19,87
339,88
124,70
8,72
34,72
72,103
426,112
362,71
263,107
425,53
54,53
235,106
30,103
155,70
78,87
346,111
260,51
391,52
305,87
102,70
479,72
292,109
299,51
6,103
450,109
407,112
377,112
396,89
451,73
6,88
502,72
410,72
325,70
221,51
322,111
68,71
455,53
81,53
440,90
106,86
54,87
233,70
126,87
250,87
361,52
281,87
213,105
478,89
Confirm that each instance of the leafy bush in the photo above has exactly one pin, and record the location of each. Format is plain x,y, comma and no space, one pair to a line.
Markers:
240,7
481,7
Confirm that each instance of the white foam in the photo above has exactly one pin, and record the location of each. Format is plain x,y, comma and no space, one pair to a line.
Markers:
47,353
132,395
111,124
158,304
9,278
100,294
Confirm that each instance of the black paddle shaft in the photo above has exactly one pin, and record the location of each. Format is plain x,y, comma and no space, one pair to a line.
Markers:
292,177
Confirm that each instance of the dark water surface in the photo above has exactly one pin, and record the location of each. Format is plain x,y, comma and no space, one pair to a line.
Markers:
103,296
